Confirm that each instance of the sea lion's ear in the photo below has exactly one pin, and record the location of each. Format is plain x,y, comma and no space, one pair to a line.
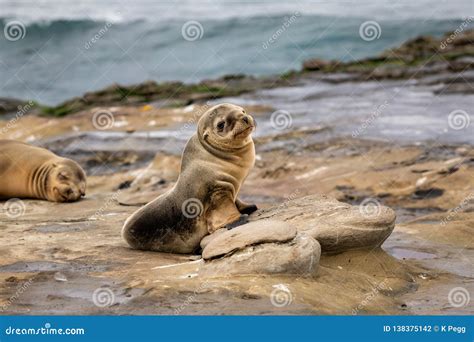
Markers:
205,134
55,165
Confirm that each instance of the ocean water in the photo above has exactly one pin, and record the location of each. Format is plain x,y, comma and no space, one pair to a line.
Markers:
62,48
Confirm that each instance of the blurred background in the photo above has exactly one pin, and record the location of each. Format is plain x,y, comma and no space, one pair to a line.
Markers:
142,40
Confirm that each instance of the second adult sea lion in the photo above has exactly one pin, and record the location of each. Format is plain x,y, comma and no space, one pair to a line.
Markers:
33,172
215,163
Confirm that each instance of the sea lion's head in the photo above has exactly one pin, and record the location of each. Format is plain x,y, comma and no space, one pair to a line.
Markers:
226,127
66,181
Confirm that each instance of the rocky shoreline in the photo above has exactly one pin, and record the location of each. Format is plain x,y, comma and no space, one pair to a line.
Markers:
311,177
421,56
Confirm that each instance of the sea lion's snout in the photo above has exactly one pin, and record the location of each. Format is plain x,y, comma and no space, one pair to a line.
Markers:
245,125
248,120
67,193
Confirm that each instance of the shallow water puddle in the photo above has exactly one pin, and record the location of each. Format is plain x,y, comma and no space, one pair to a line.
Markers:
405,253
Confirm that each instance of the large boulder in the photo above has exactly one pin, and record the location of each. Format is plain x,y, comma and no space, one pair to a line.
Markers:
337,226
288,239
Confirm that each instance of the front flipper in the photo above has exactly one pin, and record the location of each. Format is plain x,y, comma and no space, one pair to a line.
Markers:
245,208
221,212
243,219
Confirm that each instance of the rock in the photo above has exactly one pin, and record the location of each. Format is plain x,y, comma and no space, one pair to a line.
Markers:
317,64
9,105
299,256
428,178
151,182
411,59
163,167
205,241
253,233
465,38
462,63
337,226
173,93
58,276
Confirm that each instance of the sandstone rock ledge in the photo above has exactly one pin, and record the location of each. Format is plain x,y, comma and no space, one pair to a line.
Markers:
289,238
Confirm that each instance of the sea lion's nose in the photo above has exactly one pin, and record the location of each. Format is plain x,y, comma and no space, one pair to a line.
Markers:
246,119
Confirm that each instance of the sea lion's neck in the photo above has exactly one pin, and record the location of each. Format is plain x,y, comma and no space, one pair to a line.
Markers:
230,154
39,180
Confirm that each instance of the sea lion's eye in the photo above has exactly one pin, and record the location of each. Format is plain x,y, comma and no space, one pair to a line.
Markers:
62,177
221,125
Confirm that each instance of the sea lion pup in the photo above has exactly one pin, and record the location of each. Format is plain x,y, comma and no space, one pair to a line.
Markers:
215,163
33,172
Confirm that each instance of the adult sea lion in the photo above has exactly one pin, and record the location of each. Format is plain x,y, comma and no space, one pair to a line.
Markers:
33,172
215,163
